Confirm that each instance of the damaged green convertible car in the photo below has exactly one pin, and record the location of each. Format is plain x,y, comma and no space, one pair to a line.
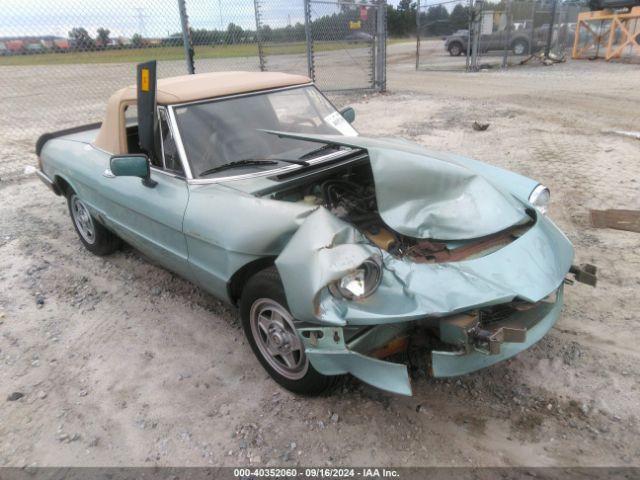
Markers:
342,252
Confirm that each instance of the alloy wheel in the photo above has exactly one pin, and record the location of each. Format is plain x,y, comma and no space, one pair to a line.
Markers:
83,220
277,339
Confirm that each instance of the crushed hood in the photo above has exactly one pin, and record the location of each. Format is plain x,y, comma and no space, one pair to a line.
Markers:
424,195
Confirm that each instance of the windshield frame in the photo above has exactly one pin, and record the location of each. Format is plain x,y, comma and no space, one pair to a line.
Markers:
242,176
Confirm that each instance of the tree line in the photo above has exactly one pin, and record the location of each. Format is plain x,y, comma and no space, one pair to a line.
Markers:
435,20
336,26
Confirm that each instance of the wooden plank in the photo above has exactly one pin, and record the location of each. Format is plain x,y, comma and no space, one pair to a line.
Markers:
628,220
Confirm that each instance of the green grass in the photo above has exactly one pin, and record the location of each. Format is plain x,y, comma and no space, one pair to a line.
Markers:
136,55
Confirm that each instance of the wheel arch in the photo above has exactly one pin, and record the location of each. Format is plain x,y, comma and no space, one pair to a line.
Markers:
63,185
519,40
239,279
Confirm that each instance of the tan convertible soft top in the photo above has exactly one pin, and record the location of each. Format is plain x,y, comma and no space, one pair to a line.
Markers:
186,88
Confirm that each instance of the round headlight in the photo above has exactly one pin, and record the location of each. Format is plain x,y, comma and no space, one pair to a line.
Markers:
360,283
540,198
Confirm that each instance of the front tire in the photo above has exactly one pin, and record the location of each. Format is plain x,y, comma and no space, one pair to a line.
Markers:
270,330
93,235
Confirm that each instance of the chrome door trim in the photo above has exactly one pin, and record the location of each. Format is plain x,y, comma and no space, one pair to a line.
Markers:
161,109
173,125
167,173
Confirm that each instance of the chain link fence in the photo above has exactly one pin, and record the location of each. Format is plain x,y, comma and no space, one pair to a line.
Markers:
522,31
345,41
475,34
435,22
60,60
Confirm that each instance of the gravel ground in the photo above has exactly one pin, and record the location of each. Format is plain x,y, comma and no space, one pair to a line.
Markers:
119,362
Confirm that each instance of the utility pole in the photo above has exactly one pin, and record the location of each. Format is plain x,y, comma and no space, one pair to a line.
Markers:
141,24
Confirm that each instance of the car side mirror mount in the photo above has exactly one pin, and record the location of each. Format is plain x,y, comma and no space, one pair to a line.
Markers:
349,114
132,165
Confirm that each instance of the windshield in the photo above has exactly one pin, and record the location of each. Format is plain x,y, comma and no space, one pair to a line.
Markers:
219,132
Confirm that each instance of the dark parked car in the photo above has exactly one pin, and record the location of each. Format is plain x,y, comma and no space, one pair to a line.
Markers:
456,44
357,37
611,4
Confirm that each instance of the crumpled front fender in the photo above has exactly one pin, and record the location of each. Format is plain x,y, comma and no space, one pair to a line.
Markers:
326,248
323,250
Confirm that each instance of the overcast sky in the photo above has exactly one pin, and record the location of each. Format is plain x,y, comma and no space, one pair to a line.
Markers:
153,18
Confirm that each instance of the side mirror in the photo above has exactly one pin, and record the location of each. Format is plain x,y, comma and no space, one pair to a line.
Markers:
349,114
132,165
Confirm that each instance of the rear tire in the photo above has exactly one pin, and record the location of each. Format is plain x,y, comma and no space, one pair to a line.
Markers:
93,235
519,47
455,49
269,328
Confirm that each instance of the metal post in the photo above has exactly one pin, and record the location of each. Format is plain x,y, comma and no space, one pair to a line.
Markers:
380,67
470,14
477,27
256,11
507,38
552,21
307,31
418,35
564,11
186,37
533,27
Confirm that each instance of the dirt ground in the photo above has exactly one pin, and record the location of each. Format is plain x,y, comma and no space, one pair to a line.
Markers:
122,363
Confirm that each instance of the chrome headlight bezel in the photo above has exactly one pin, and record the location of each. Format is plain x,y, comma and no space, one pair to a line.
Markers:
361,283
540,198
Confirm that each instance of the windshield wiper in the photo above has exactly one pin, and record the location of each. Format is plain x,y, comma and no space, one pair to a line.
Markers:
328,146
274,159
295,162
239,163
253,161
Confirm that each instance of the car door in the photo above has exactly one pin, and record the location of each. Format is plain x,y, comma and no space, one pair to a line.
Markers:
150,217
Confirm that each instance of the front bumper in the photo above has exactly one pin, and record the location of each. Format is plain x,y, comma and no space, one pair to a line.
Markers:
330,355
536,323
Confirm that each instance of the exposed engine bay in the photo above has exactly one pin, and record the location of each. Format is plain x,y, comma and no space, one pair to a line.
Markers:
350,195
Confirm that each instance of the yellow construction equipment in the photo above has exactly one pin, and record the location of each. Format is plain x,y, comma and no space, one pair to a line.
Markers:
608,31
